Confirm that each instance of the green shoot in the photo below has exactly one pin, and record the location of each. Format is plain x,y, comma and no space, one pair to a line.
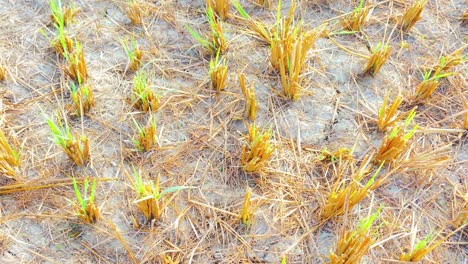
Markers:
143,98
77,149
86,209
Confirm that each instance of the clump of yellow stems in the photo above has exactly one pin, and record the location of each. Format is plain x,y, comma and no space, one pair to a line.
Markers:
422,248
428,85
76,64
221,7
345,195
218,73
216,42
134,55
135,11
143,98
86,208
146,136
76,148
9,157
388,115
149,196
60,13
168,259
446,63
256,26
288,51
250,103
340,154
353,245
412,15
82,99
246,215
396,143
380,55
2,73
256,155
357,18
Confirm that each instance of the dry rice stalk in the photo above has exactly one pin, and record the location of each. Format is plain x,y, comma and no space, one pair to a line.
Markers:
258,27
256,155
357,18
428,159
465,122
412,15
9,157
247,213
221,7
344,196
2,73
250,103
387,116
396,143
380,55
353,245
218,73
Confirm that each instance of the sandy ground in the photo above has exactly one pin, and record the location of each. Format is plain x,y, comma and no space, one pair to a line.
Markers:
200,136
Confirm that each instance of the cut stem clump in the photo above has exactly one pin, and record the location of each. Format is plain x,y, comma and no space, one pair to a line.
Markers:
218,73
143,98
134,55
135,12
258,27
344,196
76,64
221,7
60,14
247,213
2,73
421,249
357,18
396,143
288,51
216,42
86,208
250,103
412,15
257,154
353,245
76,148
150,197
82,99
388,116
9,157
428,85
146,136
380,55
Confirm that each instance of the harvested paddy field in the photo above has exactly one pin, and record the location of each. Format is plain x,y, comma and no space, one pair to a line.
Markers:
320,131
